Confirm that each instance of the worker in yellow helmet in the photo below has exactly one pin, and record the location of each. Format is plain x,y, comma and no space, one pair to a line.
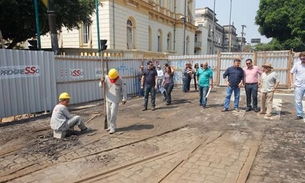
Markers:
115,87
61,119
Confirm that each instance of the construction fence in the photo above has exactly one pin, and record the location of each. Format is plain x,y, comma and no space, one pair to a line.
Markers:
31,81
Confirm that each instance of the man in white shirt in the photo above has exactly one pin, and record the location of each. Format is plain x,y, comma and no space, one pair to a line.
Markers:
298,70
115,88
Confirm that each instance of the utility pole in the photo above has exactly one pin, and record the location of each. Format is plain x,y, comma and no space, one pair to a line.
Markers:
213,42
242,36
52,26
230,29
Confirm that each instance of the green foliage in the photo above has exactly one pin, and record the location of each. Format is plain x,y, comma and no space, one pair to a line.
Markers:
272,45
17,17
283,20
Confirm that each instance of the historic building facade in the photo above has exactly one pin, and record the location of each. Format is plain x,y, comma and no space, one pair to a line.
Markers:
166,26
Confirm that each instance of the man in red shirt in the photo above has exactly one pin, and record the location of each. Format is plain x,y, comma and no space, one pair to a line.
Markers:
251,84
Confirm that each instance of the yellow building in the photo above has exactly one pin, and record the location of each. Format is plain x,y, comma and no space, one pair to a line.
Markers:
147,26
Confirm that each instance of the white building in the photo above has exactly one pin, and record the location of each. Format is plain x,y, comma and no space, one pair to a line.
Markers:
136,25
207,30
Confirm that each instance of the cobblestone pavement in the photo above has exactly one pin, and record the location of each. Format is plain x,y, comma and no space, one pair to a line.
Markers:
178,143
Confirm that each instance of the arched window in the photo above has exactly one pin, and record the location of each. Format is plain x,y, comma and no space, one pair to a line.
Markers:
169,41
187,45
130,39
149,39
159,38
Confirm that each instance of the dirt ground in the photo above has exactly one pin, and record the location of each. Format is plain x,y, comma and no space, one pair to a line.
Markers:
29,153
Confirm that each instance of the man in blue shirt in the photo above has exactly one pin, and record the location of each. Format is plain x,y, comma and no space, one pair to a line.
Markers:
149,83
205,81
234,77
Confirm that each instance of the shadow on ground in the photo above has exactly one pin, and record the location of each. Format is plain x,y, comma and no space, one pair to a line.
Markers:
136,127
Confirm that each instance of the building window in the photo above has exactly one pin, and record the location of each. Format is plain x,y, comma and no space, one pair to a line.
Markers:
160,2
159,38
85,33
187,45
169,41
196,38
130,29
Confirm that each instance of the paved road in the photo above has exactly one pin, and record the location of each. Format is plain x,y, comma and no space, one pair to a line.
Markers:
178,143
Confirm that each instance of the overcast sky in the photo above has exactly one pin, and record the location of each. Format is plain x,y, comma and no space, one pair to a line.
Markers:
243,13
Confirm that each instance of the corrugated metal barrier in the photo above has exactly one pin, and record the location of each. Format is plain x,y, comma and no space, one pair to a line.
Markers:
32,80
27,82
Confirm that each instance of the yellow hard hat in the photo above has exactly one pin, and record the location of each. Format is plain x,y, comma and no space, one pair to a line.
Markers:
64,95
113,73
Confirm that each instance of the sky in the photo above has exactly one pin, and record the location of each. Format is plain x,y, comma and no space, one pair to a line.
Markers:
243,13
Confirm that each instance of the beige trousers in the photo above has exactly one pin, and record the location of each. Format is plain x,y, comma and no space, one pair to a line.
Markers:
266,101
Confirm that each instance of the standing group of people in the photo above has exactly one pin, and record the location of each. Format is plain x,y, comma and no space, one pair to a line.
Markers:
254,80
153,80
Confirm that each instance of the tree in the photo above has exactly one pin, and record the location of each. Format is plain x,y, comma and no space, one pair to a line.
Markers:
284,21
17,18
272,45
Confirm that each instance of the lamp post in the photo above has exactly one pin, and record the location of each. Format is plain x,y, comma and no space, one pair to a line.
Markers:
183,19
52,26
37,24
98,28
230,29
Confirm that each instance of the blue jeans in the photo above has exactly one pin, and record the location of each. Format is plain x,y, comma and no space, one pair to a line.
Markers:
149,89
298,97
184,84
230,90
203,91
159,82
140,90
168,93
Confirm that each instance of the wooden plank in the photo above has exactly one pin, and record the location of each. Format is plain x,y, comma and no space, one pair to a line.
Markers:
244,173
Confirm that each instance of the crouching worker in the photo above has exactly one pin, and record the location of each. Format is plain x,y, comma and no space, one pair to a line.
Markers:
115,87
62,120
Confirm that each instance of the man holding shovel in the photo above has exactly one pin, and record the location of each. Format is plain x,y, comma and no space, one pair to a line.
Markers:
115,87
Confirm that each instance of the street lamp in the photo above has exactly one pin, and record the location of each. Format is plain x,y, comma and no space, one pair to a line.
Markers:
184,20
98,27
